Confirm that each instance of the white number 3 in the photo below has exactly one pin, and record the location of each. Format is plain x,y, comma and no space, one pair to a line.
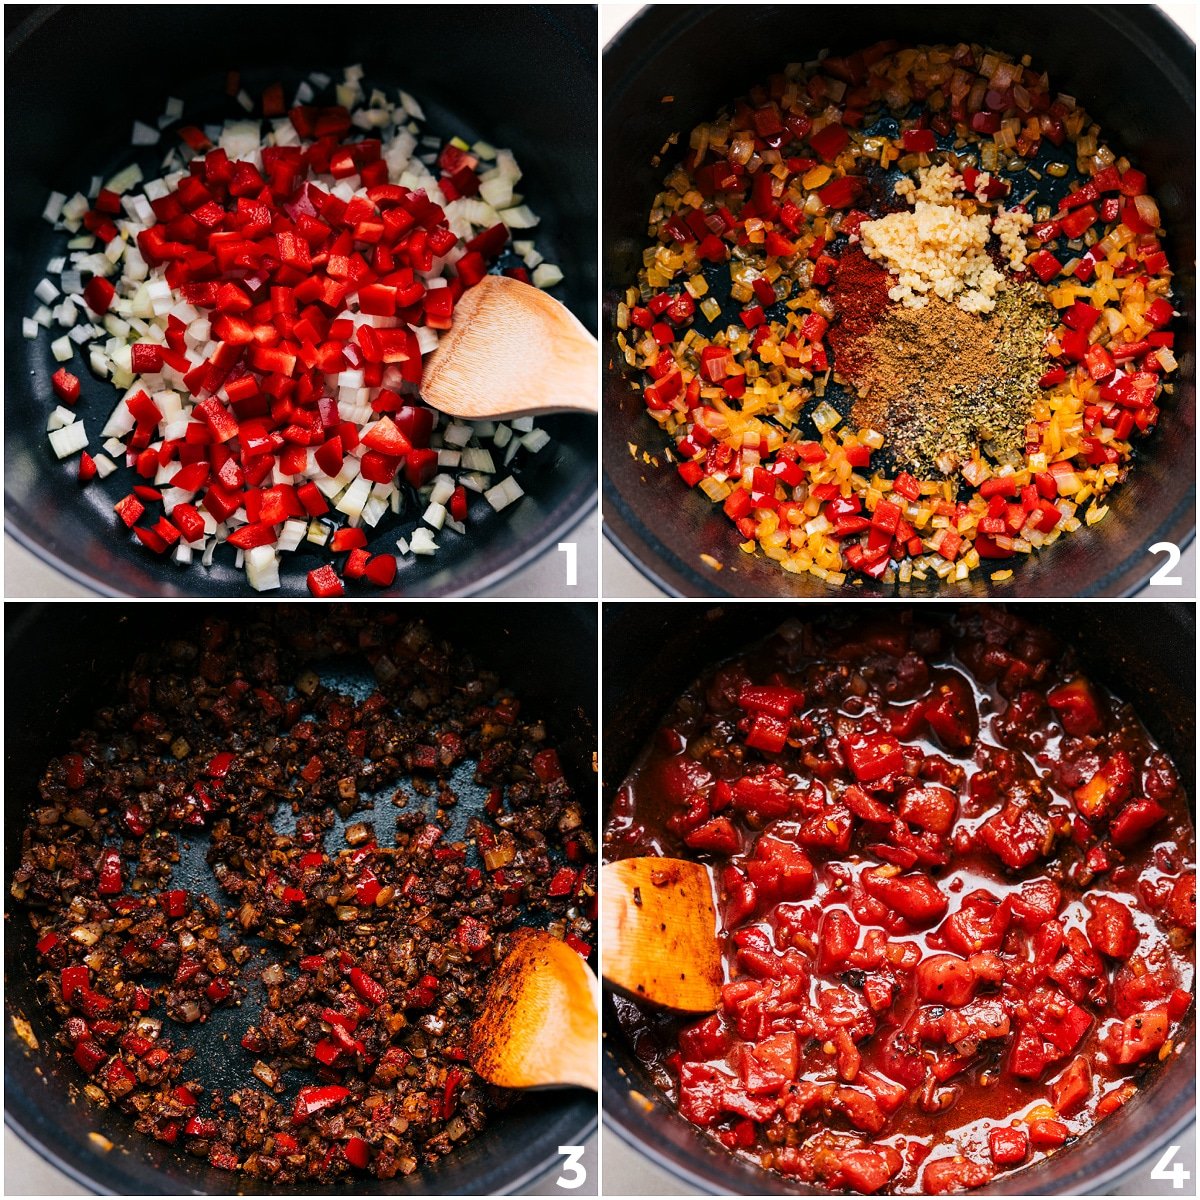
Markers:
571,1167
1174,1173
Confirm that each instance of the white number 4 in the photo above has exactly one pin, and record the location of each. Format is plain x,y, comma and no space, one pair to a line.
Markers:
1174,1173
572,1167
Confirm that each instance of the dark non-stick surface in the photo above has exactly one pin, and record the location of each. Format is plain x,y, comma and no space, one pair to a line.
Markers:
62,661
1145,653
521,77
1133,71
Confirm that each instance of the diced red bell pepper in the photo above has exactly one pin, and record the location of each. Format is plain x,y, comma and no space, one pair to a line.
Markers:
146,358
919,141
769,733
314,1100
66,386
1044,265
366,987
111,880
829,141
872,756
99,295
323,582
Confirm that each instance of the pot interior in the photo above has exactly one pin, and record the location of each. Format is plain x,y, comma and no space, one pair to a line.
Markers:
469,69
1143,652
75,659
1133,71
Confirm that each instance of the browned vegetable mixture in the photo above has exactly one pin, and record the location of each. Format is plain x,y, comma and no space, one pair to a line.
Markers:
358,967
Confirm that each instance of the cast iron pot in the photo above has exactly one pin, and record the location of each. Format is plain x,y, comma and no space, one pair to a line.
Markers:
522,77
1132,69
63,662
1144,652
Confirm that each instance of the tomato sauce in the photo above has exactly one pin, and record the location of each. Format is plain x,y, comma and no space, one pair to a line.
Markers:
956,890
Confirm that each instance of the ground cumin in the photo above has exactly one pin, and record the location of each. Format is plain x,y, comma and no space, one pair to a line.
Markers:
937,381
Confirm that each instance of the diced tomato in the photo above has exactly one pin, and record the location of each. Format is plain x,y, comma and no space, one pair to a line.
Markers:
930,807
1078,707
1135,820
1110,927
1072,1088
955,1174
1047,1134
717,836
915,897
1140,1036
836,941
945,979
1008,1146
873,756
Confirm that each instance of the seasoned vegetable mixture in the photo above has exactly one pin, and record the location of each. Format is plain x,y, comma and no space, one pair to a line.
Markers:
904,314
358,963
957,892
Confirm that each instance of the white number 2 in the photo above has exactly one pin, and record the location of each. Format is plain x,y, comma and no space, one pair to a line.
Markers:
1174,1173
1163,574
572,1167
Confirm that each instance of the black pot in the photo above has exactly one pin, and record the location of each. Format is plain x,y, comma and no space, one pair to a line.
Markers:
522,77
1144,652
1135,73
63,662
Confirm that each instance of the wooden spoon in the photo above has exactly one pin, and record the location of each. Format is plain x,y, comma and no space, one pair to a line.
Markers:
539,1025
659,932
512,351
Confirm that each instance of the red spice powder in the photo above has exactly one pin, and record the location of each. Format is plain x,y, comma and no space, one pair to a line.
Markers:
860,294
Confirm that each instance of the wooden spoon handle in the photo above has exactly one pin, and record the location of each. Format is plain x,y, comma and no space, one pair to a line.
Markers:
512,351
659,932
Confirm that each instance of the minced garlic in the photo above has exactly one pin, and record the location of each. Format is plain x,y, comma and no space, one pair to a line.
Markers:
939,248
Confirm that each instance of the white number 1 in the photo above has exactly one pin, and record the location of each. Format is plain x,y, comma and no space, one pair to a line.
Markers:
571,550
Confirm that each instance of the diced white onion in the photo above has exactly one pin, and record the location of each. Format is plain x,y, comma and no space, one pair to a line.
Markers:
475,458
504,493
144,135
262,568
54,207
521,217
58,418
457,434
68,440
422,541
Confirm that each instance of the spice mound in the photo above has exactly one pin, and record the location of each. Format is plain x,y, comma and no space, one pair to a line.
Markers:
348,951
957,899
903,315
940,382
